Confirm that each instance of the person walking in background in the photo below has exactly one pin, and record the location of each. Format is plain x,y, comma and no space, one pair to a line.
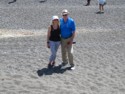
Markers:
101,6
53,40
12,1
68,30
42,1
88,3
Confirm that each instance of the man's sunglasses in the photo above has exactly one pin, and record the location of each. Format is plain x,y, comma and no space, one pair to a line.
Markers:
65,15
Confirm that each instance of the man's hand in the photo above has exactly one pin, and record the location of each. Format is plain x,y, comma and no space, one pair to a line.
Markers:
48,45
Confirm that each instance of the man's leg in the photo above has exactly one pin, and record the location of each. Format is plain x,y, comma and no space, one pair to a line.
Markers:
70,54
64,49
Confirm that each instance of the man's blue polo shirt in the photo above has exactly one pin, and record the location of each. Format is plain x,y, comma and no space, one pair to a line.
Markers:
67,28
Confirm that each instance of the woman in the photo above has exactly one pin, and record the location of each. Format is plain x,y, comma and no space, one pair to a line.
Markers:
53,40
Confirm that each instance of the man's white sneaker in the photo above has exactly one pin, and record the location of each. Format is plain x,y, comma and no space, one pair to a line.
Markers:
72,68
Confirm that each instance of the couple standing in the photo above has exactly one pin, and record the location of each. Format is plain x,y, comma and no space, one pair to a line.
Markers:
61,31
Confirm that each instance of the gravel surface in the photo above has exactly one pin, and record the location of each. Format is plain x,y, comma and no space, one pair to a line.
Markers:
99,52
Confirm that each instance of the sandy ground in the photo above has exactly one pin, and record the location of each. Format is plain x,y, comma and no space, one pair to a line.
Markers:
99,52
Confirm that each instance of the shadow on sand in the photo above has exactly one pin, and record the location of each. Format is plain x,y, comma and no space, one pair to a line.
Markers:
55,69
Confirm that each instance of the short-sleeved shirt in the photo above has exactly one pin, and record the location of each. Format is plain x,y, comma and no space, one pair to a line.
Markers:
102,1
67,28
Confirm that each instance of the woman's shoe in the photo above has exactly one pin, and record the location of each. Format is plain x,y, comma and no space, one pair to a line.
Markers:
51,65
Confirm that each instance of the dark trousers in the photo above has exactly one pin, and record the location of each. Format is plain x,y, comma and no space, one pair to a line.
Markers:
88,2
12,1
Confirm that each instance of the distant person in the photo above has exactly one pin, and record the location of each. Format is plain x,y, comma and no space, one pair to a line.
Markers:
53,40
101,6
16,0
68,30
12,1
42,1
88,3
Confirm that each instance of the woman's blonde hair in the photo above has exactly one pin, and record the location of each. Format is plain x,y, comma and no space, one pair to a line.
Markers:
55,18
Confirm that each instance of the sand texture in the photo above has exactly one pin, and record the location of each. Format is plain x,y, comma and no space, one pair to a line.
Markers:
99,52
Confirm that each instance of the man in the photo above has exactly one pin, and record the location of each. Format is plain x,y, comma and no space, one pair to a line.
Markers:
67,26
88,3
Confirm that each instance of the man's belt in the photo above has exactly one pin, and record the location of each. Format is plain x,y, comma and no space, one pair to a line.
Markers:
66,37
